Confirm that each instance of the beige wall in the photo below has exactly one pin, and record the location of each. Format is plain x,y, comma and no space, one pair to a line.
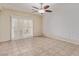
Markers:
4,28
5,23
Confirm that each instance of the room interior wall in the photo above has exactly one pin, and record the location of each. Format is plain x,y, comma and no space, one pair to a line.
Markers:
5,23
63,23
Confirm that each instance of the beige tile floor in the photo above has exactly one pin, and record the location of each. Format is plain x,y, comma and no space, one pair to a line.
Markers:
38,46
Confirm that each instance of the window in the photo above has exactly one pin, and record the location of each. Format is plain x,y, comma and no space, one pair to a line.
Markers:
22,27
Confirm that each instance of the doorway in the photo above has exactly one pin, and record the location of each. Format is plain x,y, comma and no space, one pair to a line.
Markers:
21,27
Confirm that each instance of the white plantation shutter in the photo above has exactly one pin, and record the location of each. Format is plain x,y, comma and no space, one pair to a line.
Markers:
22,27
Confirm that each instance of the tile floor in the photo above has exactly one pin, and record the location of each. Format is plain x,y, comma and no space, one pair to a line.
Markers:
38,46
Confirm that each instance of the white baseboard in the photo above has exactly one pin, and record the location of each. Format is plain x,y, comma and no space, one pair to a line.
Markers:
62,38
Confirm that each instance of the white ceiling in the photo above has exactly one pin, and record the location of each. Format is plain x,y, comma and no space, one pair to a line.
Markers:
25,7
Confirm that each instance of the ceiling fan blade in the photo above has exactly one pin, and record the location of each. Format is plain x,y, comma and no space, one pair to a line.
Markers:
48,10
34,10
47,6
35,7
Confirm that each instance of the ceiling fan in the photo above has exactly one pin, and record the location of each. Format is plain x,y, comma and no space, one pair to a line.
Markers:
42,9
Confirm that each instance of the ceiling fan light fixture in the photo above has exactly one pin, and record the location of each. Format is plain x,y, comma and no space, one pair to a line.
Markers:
41,11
